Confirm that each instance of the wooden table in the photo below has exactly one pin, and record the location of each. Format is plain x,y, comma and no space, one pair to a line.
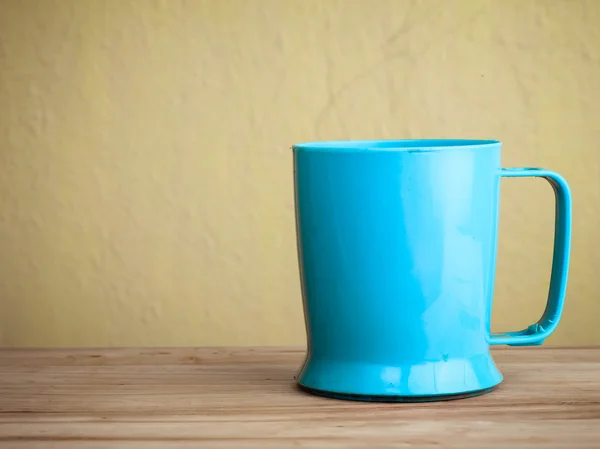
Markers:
246,398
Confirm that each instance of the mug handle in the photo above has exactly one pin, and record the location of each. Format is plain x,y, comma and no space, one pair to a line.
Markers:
536,333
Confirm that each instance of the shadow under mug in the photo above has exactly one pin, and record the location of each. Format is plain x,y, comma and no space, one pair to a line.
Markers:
397,253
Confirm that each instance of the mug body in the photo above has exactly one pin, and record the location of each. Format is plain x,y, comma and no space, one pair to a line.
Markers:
397,249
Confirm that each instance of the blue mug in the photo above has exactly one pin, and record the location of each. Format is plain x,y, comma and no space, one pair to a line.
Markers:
397,252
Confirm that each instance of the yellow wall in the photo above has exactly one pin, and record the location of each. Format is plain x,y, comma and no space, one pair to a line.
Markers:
145,170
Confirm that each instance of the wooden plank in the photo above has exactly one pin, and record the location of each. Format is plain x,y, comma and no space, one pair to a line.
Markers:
246,397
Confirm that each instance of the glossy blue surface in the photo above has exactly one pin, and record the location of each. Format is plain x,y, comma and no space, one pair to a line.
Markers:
397,251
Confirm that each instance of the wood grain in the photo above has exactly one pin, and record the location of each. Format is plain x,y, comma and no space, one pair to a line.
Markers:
246,398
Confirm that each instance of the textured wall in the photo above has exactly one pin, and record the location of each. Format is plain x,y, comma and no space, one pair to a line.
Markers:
145,170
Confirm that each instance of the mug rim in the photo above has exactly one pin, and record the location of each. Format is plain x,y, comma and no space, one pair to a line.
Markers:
396,145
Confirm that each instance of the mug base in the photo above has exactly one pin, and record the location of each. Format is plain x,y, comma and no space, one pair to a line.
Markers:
392,398
436,380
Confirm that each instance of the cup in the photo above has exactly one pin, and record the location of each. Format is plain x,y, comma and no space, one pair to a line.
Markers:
397,253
